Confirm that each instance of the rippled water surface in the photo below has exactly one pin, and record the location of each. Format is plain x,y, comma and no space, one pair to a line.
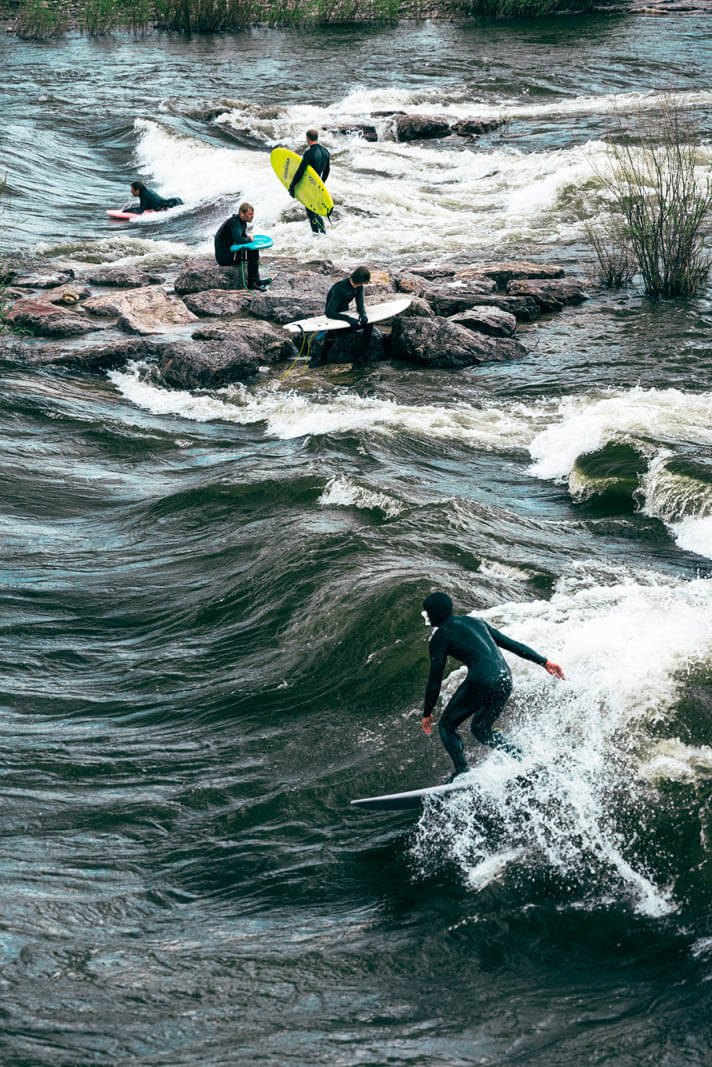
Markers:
211,637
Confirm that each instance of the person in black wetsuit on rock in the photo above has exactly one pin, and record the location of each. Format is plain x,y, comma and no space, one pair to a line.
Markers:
316,157
150,201
337,301
487,686
234,232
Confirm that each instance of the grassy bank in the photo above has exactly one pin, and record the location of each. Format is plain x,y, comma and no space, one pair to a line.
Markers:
42,19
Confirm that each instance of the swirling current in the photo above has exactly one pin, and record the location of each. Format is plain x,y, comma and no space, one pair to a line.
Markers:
211,637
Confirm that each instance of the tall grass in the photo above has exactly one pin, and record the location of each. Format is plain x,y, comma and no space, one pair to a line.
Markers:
513,9
661,199
40,20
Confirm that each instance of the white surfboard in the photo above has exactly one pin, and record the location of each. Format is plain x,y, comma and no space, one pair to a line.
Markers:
376,313
415,797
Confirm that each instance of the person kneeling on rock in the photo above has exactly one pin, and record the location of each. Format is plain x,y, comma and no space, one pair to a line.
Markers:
234,232
337,301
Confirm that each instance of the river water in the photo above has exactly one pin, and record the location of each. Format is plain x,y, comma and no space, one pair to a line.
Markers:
211,637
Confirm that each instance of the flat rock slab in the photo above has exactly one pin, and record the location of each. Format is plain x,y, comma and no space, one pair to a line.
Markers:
448,298
146,310
214,303
505,271
43,281
43,319
123,277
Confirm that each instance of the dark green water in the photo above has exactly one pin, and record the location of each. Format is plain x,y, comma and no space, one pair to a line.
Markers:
211,637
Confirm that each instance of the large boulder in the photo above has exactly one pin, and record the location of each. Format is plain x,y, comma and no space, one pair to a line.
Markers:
420,127
42,319
214,303
487,319
284,307
208,364
199,275
270,343
442,343
146,310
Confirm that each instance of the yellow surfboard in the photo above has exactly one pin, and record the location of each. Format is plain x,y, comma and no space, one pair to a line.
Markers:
311,190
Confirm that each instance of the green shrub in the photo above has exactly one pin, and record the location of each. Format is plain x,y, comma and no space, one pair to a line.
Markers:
41,19
660,201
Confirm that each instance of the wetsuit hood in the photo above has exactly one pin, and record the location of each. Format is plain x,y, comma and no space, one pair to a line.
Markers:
438,607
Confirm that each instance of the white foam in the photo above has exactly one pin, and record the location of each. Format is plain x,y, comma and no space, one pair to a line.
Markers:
343,492
624,647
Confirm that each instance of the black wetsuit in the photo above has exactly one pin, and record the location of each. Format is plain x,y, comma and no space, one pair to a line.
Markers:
234,232
316,157
150,201
338,299
487,686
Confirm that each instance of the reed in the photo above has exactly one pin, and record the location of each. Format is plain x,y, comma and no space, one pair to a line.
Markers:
661,199
524,9
41,20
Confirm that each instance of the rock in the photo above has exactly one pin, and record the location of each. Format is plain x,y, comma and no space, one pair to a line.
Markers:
365,129
199,275
281,308
552,295
67,294
487,319
449,298
42,319
43,281
441,343
214,303
348,347
504,272
7,273
524,308
208,364
406,282
123,277
145,310
419,309
270,343
420,127
476,127
431,271
95,357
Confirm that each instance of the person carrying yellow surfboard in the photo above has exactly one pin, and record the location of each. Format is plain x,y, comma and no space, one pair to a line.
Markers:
316,157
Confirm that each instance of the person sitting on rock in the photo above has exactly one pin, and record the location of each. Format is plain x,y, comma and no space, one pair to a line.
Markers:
337,300
234,232
150,201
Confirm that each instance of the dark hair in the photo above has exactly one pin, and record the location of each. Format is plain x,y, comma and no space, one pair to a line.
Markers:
312,135
138,185
438,606
244,207
361,276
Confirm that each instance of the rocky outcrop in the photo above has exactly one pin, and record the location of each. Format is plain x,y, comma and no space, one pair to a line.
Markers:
363,129
443,343
458,316
42,281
